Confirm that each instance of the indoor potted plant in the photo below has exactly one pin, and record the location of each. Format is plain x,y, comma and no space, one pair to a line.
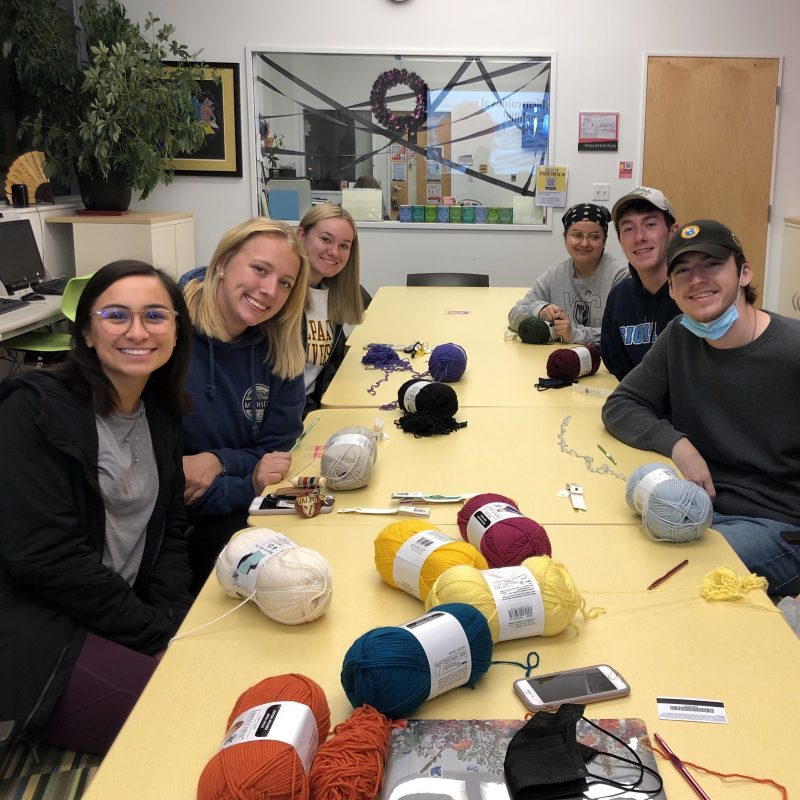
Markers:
115,117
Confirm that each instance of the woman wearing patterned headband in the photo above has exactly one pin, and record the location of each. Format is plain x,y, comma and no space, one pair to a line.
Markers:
572,295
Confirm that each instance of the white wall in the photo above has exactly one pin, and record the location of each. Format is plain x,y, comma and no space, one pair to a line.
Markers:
600,50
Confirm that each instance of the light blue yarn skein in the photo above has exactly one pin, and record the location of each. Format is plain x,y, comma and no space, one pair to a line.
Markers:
676,510
388,669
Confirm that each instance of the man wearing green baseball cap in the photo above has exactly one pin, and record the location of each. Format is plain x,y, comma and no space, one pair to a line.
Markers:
718,393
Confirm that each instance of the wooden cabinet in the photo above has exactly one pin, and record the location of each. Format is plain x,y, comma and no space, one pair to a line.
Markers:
164,239
789,296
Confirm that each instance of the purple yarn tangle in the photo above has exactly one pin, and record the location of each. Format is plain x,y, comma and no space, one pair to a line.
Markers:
382,357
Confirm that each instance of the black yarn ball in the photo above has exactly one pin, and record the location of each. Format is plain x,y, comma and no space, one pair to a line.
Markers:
534,331
429,408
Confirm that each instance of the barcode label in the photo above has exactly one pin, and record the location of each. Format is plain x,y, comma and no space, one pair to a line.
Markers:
520,612
691,709
424,541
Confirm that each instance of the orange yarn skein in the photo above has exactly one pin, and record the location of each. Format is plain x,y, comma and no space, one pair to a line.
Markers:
350,765
267,769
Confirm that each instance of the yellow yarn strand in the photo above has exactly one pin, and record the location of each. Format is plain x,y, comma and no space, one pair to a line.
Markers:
724,584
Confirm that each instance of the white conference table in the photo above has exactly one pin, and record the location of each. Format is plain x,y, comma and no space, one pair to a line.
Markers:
36,314
516,452
668,642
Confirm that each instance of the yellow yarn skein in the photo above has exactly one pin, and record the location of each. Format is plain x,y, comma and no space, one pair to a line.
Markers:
560,597
453,553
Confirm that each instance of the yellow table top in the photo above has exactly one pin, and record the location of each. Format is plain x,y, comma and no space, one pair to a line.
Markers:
668,642
512,451
500,372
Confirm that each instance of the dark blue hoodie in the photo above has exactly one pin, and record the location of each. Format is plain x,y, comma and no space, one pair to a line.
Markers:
240,411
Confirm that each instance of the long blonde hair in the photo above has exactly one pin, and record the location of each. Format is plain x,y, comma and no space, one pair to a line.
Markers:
283,331
345,304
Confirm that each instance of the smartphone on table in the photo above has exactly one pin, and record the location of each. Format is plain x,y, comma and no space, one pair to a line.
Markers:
584,685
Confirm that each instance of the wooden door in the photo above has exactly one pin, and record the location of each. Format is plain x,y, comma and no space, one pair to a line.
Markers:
709,142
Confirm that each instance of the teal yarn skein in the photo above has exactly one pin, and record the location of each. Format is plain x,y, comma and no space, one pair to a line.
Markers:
388,668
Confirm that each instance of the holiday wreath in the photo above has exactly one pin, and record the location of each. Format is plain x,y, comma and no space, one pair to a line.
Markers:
399,122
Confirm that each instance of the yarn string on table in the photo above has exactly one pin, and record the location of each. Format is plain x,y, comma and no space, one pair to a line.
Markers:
349,458
447,362
350,765
290,584
724,584
429,408
384,358
672,509
250,766
393,668
411,554
571,363
503,534
536,598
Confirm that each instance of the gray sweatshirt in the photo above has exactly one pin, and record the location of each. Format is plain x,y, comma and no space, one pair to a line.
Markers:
584,300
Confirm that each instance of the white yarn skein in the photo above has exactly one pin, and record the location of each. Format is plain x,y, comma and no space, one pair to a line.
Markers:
349,458
291,585
672,509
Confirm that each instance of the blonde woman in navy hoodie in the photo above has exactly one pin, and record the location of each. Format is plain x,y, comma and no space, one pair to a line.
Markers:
246,379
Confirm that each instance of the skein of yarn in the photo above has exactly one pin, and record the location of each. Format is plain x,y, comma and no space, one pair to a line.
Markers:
672,509
571,363
411,554
292,584
537,598
273,734
447,362
505,536
350,765
429,408
396,669
535,331
349,458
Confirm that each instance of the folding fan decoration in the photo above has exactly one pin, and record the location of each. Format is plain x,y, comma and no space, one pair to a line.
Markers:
29,169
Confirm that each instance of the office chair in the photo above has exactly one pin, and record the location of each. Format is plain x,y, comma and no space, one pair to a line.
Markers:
446,279
48,342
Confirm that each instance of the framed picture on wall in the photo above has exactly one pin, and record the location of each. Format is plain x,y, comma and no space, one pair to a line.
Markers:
217,112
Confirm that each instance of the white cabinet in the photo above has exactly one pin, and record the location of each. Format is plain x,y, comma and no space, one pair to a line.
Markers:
164,239
789,297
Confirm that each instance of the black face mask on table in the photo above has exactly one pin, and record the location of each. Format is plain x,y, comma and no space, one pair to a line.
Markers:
544,760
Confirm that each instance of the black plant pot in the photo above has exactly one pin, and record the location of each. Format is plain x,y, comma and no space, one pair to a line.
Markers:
105,194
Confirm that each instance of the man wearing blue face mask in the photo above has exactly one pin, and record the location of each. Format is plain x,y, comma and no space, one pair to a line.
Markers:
718,393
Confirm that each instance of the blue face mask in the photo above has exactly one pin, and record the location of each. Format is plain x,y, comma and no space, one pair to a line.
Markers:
718,327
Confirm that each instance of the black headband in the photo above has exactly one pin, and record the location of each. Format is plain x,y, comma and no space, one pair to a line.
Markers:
587,212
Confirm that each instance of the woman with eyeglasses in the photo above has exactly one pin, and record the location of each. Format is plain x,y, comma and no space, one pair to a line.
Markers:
572,295
94,574
245,381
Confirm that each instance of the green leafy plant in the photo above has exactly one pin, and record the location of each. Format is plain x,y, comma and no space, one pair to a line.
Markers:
121,110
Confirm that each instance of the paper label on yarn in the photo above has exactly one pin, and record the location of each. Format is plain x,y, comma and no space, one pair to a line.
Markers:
412,555
281,721
446,647
410,396
245,573
643,489
585,360
520,609
485,517
357,439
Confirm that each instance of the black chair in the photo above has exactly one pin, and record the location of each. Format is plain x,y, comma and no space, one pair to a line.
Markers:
446,279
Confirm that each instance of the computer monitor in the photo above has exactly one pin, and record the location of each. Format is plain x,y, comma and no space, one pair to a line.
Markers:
20,260
288,198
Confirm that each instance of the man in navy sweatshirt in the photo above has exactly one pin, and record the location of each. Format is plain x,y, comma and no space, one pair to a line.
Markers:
639,307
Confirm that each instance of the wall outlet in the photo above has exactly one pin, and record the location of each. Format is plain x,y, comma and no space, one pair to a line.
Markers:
601,191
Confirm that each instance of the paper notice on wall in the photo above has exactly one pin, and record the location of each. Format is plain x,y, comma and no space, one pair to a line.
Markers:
551,186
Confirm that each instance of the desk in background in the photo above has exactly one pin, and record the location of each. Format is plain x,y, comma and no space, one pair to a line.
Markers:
666,642
35,315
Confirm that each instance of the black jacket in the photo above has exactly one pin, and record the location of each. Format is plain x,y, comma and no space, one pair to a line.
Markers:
632,321
53,584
